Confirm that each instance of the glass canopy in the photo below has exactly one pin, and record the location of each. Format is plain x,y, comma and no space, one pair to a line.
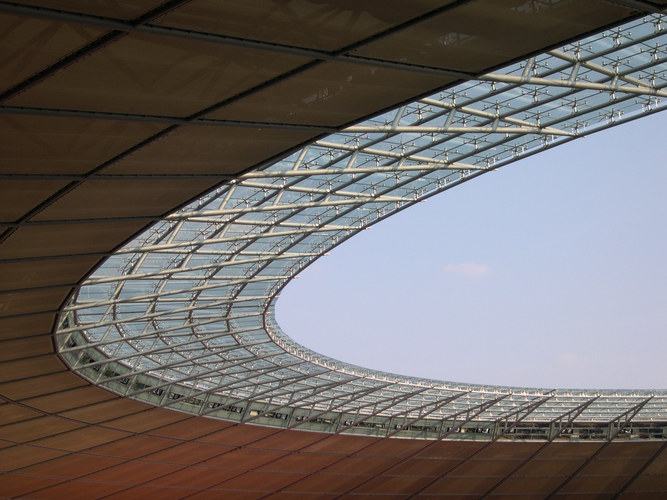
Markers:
183,316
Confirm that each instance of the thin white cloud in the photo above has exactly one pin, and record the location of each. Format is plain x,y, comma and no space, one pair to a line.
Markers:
470,270
568,358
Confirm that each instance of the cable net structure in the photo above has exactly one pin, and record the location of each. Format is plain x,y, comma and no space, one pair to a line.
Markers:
183,316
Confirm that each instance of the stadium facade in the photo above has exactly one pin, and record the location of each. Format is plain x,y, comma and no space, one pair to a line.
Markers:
115,117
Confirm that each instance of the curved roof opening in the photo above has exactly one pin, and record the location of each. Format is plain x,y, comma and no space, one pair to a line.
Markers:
546,274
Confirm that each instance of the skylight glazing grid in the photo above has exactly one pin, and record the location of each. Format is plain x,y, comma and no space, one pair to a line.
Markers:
184,313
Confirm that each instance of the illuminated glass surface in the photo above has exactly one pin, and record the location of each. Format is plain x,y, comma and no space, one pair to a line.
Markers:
183,316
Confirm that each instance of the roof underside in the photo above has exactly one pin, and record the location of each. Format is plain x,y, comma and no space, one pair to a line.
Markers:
182,316
116,113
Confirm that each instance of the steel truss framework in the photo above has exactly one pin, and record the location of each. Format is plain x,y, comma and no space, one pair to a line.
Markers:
183,316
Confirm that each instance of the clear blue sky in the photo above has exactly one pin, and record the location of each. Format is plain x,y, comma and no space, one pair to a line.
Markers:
551,272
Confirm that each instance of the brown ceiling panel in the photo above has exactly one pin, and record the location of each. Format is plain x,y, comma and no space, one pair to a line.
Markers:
360,465
232,437
32,301
619,466
10,413
508,450
658,465
326,483
67,239
43,384
451,449
244,458
81,396
641,495
31,430
155,490
404,485
655,474
25,326
301,462
21,196
569,450
515,496
286,495
534,485
61,145
559,467
122,9
156,75
325,25
226,494
24,348
78,490
606,483
134,473
186,430
17,457
194,477
584,496
17,485
72,466
461,485
229,494
479,35
261,481
30,367
188,453
289,440
630,450
109,198
134,446
147,420
200,149
650,485
475,467
56,239
423,466
30,45
82,438
332,93
103,411
25,274
340,444
395,447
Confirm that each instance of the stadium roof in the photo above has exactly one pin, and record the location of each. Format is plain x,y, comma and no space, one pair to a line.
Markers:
115,117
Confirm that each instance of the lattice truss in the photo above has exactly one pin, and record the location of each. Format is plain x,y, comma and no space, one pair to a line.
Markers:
183,315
